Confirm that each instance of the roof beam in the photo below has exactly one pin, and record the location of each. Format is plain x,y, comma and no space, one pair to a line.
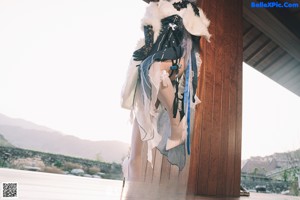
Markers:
273,28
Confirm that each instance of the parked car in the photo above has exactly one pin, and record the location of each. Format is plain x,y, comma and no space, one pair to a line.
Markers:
286,192
260,188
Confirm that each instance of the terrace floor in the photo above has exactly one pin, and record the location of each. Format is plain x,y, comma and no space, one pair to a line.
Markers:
45,186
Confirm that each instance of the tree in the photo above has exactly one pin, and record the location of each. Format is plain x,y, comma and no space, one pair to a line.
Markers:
254,173
285,175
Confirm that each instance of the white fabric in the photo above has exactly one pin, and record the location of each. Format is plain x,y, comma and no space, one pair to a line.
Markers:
144,109
195,25
154,13
128,89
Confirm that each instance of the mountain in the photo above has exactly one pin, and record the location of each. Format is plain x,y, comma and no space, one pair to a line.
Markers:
4,142
27,135
8,121
263,165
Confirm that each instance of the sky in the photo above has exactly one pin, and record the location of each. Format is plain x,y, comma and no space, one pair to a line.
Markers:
63,64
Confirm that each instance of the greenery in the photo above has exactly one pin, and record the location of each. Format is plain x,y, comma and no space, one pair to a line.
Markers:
4,142
17,158
288,181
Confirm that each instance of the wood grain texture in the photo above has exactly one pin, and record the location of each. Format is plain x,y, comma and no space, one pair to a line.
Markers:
161,172
157,167
216,147
213,169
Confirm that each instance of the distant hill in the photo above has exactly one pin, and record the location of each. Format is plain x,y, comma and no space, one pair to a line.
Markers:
4,142
24,134
8,121
263,165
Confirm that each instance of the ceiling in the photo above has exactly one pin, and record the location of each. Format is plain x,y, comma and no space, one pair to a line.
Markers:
271,42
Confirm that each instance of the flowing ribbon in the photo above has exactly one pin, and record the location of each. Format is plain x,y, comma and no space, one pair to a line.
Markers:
187,104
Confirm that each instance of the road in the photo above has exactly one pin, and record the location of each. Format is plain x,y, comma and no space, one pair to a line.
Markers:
45,186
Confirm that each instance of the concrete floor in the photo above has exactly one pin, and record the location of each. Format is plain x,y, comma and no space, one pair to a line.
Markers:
45,186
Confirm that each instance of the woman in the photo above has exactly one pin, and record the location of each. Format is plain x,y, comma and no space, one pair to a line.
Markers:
162,80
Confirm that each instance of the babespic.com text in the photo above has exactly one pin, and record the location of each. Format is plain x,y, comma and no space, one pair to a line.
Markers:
274,4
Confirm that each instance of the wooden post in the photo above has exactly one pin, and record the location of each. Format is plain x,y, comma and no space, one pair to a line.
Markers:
214,167
215,164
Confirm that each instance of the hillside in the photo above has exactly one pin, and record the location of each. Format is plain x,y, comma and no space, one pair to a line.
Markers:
23,159
277,172
8,121
27,135
263,165
4,142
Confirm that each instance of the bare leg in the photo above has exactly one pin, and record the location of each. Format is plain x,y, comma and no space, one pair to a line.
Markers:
135,159
166,96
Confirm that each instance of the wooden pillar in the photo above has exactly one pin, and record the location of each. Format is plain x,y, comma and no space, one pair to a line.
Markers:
215,164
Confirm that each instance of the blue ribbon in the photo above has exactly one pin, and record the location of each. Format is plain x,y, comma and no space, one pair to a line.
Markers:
187,105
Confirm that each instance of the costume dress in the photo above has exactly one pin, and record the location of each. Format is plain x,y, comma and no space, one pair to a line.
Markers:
172,31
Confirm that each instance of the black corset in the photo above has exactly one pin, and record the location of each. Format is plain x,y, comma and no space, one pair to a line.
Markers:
168,43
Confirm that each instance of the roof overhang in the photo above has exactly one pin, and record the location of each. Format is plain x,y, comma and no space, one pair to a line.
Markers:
271,43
